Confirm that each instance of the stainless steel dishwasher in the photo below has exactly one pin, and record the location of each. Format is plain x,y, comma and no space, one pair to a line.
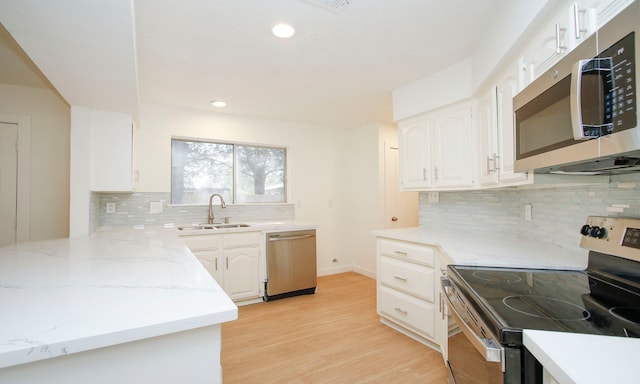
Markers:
291,264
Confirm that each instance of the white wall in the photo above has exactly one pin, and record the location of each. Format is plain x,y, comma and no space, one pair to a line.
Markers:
363,180
80,172
49,196
439,89
515,22
315,160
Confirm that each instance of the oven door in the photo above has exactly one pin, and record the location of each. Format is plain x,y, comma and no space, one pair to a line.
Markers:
474,354
468,356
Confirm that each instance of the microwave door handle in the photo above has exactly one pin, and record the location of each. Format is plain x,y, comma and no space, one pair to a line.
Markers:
576,99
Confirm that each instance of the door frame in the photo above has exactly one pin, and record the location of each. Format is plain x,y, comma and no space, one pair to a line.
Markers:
23,203
402,198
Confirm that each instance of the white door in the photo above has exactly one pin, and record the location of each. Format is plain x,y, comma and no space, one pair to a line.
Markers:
8,182
400,208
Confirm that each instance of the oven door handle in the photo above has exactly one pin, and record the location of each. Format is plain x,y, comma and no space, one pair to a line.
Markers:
489,349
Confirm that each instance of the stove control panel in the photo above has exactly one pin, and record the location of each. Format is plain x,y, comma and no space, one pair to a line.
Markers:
619,236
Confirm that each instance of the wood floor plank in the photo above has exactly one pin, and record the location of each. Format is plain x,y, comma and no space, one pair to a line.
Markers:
333,336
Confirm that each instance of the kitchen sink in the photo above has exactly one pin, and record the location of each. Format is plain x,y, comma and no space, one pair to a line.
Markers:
198,227
224,226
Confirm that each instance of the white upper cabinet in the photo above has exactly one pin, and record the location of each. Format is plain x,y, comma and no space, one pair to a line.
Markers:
415,154
567,29
508,86
111,152
447,149
601,11
453,155
550,44
487,122
436,149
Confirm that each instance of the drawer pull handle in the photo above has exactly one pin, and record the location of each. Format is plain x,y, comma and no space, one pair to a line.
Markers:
401,253
400,278
398,309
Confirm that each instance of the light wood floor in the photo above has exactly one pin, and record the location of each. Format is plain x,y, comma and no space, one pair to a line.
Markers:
333,336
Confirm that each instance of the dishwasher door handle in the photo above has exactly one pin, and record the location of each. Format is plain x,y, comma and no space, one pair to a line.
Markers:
277,238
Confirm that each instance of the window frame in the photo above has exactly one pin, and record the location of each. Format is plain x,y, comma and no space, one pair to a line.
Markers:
234,144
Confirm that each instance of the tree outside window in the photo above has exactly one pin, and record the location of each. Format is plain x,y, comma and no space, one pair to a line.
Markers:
240,173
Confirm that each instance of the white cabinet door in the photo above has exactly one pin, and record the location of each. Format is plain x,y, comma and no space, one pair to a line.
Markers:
507,87
210,259
496,133
442,320
242,273
600,12
567,29
488,137
453,157
550,44
436,151
415,154
233,259
111,152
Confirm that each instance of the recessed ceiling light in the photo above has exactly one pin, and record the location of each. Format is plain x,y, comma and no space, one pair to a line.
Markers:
219,103
283,30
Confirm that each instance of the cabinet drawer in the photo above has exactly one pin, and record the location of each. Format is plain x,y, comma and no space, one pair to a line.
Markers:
407,251
408,310
244,239
411,278
196,243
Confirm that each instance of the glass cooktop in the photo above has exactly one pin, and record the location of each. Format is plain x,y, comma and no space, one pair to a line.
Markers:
511,299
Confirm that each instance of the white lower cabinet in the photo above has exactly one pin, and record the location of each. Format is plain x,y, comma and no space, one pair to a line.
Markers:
407,286
233,259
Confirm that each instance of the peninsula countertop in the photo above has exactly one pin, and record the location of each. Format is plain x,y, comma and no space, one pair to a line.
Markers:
491,249
71,295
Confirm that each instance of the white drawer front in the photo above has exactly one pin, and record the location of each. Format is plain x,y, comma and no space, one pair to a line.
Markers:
408,310
407,251
196,243
243,239
412,278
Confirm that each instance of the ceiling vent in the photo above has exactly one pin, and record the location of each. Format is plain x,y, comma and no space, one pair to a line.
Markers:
336,6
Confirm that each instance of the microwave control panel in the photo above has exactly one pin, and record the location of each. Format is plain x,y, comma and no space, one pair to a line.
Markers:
621,98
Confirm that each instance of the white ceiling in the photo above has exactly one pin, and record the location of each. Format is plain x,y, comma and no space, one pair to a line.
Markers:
338,70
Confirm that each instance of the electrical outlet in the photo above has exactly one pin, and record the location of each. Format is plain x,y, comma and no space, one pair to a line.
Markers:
111,207
527,212
433,197
155,206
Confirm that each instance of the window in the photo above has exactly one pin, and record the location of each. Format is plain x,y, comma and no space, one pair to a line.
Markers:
240,173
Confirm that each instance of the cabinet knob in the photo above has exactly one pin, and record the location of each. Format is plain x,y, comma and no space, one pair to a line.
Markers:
394,218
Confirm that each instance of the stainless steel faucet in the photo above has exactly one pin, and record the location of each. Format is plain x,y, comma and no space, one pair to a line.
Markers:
222,205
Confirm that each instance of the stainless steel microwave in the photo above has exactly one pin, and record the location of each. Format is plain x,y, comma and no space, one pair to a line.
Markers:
581,117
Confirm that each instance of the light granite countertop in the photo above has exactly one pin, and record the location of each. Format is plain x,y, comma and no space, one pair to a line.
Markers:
77,294
491,249
119,285
573,358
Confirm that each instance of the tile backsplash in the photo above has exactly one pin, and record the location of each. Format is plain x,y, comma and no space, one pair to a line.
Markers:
557,212
133,209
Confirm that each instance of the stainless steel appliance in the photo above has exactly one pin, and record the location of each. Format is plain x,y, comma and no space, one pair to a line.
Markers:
291,264
581,115
493,305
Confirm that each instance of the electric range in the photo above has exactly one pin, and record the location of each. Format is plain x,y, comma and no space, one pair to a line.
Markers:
493,305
